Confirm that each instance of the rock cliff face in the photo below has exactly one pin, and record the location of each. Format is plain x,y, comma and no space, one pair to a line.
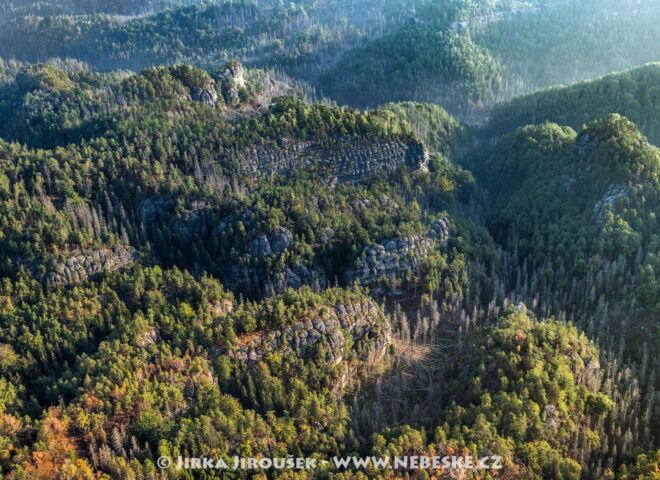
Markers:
247,278
82,264
390,259
393,258
205,95
608,200
271,86
273,244
349,159
360,330
230,80
251,275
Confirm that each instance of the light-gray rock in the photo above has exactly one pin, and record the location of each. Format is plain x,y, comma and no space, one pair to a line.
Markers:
366,324
205,95
83,264
395,257
609,200
347,159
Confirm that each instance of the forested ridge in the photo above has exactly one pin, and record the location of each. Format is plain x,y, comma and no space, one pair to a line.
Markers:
202,255
472,57
465,55
632,93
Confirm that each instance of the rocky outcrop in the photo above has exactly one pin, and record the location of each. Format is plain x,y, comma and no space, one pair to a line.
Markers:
252,275
272,244
148,337
246,278
361,329
296,276
440,230
231,80
207,96
609,200
348,159
270,86
83,264
393,258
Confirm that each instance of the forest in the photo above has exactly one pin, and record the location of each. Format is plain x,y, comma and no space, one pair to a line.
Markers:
465,55
262,229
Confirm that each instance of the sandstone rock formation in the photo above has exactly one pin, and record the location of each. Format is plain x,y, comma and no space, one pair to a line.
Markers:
394,257
361,329
82,264
269,86
230,80
272,244
251,276
205,95
609,200
348,159
248,278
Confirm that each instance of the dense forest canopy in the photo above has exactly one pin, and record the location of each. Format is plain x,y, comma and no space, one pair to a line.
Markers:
633,93
210,248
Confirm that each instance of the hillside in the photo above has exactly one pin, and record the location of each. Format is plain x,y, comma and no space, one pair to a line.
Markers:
135,372
472,58
368,229
576,213
196,233
300,38
228,244
528,393
633,93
